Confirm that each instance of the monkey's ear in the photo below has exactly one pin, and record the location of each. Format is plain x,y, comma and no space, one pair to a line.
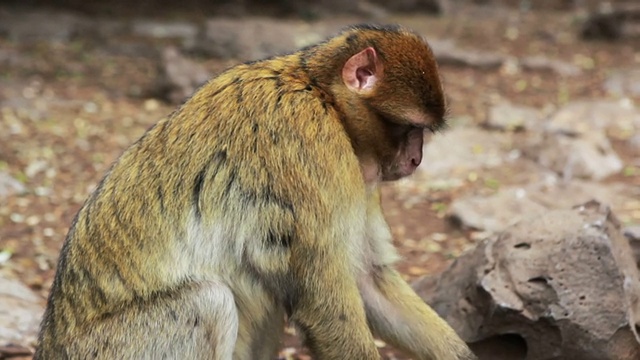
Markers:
361,72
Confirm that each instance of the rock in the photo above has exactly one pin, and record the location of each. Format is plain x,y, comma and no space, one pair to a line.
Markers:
561,195
543,63
590,156
42,25
459,150
185,31
10,186
624,82
562,285
574,140
496,212
507,116
623,21
140,49
257,38
12,58
371,10
20,314
632,232
446,52
413,6
582,117
178,76
634,145
105,29
312,9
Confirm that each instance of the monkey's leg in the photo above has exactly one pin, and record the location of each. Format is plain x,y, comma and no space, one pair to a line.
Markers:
403,319
196,321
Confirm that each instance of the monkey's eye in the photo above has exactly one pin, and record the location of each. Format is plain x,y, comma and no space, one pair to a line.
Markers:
401,130
436,126
423,127
431,129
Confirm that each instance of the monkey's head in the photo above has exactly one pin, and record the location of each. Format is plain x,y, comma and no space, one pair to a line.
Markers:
389,91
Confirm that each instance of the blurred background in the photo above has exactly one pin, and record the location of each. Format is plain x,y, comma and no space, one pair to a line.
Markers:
543,110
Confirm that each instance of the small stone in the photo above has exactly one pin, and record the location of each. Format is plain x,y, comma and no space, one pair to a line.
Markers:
433,247
439,236
16,218
32,220
5,255
10,186
151,105
415,270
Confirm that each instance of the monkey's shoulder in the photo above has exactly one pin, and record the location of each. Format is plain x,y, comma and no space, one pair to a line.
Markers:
272,94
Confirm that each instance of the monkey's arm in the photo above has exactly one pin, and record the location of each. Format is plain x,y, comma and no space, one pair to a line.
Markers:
401,318
329,310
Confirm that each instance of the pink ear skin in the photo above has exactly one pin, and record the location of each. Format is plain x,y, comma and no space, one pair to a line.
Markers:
361,72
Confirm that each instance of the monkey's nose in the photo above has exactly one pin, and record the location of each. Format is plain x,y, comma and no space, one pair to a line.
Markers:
416,160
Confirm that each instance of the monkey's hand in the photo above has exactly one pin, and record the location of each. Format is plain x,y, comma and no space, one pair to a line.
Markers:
401,318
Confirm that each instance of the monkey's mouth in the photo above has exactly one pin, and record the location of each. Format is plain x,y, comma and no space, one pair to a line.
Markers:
399,172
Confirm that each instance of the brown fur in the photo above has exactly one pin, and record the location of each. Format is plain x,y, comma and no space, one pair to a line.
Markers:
247,203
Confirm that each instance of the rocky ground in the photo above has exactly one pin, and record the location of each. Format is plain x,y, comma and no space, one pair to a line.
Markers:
539,120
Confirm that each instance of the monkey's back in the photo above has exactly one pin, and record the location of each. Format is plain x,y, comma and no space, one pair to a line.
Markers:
167,213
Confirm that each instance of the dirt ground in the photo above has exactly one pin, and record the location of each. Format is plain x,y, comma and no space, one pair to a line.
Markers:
77,107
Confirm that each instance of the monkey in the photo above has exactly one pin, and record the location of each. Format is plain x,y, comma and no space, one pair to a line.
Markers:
254,203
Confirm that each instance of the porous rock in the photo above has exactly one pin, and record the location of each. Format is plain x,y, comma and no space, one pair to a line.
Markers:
563,285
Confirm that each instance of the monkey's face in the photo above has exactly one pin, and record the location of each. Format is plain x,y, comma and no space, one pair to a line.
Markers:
400,98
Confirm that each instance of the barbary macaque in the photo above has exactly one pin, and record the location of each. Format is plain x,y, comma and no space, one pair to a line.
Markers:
256,201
